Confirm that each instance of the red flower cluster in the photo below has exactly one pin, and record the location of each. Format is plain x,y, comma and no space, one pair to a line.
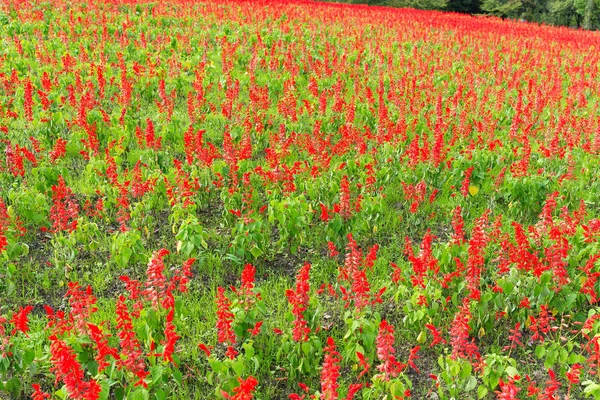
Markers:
66,368
299,300
389,367
65,210
330,372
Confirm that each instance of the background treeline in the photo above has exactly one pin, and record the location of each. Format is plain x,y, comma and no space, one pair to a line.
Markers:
575,13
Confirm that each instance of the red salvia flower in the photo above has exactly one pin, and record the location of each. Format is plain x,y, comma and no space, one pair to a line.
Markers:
437,336
131,349
389,367
541,326
155,279
552,386
65,210
345,209
508,390
299,299
185,274
21,320
66,368
330,372
412,357
476,260
82,304
59,149
133,287
458,224
464,190
103,349
38,394
225,333
231,352
333,252
4,224
515,338
171,337
574,373
28,100
459,334
352,390
256,329
325,217
245,390
363,363
206,349
246,291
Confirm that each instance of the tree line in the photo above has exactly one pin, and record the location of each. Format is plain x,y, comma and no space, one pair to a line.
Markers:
575,13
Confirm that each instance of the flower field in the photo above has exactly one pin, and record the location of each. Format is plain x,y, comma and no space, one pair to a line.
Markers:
296,200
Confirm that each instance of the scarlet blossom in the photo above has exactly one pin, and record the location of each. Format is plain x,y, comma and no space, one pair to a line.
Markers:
131,349
508,390
332,249
38,394
389,367
256,329
324,213
66,368
464,190
4,224
231,352
28,100
437,336
155,279
245,390
299,298
363,363
552,386
412,357
103,349
524,303
21,320
574,373
171,338
345,209
206,349
184,275
515,338
246,292
462,347
225,333
59,149
352,390
82,303
541,326
330,372
65,210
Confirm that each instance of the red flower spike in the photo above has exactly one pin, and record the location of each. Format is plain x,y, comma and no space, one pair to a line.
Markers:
330,372
20,320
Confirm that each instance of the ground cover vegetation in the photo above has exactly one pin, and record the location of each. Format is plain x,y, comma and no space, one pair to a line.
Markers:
296,200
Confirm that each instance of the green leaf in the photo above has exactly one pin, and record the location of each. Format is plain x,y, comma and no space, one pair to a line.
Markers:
161,395
28,357
471,383
482,391
540,351
256,252
157,372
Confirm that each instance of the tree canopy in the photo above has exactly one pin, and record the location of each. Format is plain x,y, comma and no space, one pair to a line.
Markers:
574,13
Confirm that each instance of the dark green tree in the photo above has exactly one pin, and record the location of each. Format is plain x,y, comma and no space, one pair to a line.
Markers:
464,6
564,12
420,4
